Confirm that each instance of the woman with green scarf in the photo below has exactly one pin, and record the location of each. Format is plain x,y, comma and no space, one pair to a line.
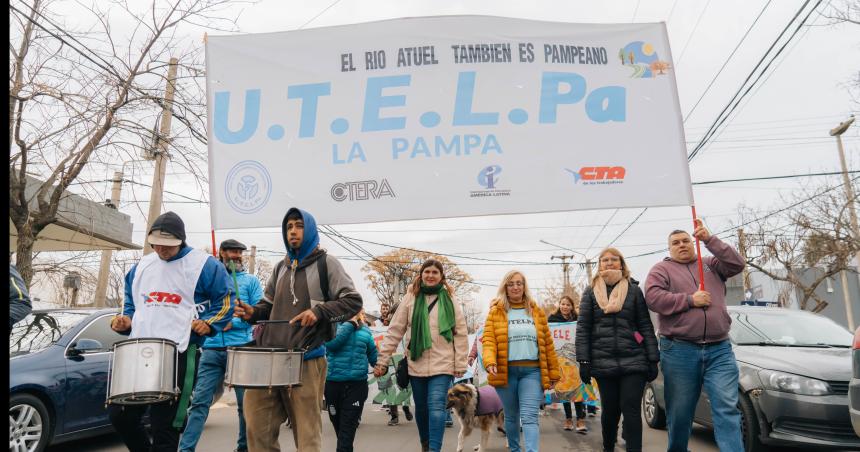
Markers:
436,348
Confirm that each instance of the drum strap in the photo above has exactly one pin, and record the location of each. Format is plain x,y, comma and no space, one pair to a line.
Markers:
187,386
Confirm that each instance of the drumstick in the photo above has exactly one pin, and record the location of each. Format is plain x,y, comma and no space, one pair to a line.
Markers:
235,282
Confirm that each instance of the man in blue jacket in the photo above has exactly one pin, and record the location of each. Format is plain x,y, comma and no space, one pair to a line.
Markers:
213,361
176,293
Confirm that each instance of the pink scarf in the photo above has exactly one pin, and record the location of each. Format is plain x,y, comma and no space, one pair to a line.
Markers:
613,302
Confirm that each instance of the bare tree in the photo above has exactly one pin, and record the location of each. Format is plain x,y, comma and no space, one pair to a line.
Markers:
846,12
263,270
121,264
552,292
389,273
804,245
473,313
91,93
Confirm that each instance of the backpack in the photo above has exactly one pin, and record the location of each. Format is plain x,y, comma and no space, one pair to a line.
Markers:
322,270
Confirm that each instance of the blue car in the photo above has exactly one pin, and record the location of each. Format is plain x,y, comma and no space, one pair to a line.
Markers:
58,371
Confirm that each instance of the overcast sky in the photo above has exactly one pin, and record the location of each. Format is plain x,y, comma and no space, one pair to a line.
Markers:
781,129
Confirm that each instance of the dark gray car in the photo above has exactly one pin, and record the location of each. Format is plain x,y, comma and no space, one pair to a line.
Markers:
794,372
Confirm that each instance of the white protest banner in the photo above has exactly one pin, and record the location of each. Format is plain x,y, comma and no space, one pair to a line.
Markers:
442,117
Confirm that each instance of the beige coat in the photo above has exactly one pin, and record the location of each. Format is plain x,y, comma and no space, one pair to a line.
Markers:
442,357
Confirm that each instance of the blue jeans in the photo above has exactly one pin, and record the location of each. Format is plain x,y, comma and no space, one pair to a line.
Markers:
521,399
431,395
687,368
210,374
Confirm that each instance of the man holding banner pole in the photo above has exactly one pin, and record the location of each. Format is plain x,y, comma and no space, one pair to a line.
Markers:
695,352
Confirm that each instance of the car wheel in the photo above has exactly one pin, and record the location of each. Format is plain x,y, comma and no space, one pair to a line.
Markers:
654,415
29,424
749,425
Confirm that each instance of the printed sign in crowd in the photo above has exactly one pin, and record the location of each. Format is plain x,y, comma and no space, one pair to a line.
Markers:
498,115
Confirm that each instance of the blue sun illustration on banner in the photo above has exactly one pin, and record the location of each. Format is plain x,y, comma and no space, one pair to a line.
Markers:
643,59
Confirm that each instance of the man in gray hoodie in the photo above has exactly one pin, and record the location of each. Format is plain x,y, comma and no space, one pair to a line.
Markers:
312,290
695,351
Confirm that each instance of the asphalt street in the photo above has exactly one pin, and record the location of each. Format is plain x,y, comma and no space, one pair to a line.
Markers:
375,435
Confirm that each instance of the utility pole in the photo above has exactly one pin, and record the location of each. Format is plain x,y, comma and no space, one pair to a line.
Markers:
252,259
742,250
104,267
588,268
160,152
565,267
849,198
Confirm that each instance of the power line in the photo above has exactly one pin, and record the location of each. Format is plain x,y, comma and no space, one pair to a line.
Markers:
740,94
737,46
789,176
778,64
733,228
729,107
319,14
601,230
692,33
450,255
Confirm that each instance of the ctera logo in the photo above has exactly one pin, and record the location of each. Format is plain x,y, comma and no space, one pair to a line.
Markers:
593,175
361,190
488,176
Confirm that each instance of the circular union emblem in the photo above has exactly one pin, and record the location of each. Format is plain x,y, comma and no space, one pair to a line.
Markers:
147,352
248,187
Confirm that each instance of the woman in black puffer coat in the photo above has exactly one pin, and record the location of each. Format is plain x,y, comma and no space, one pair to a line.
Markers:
615,343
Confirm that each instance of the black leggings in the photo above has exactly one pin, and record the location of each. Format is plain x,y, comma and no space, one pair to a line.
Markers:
580,410
127,419
621,395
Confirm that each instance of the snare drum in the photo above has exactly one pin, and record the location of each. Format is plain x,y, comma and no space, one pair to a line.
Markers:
143,371
259,367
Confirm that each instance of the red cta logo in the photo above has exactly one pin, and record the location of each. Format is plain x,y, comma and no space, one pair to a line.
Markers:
164,297
593,175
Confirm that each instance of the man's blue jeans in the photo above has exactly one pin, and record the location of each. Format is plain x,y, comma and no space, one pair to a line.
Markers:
687,368
431,395
521,399
210,374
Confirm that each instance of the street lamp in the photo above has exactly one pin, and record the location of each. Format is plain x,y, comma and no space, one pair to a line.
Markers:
849,194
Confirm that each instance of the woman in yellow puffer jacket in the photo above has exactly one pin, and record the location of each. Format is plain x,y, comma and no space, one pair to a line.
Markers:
520,358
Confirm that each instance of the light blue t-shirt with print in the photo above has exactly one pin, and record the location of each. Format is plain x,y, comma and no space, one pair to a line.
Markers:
522,336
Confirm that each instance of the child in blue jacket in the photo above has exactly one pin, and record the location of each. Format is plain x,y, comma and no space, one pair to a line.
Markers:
350,355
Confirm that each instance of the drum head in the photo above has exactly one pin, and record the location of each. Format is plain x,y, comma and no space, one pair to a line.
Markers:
148,340
141,398
260,349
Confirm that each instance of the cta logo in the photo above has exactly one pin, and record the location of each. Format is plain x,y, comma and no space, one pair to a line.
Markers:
488,178
163,297
361,190
598,175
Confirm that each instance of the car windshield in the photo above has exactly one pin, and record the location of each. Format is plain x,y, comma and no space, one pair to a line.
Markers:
41,329
786,328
